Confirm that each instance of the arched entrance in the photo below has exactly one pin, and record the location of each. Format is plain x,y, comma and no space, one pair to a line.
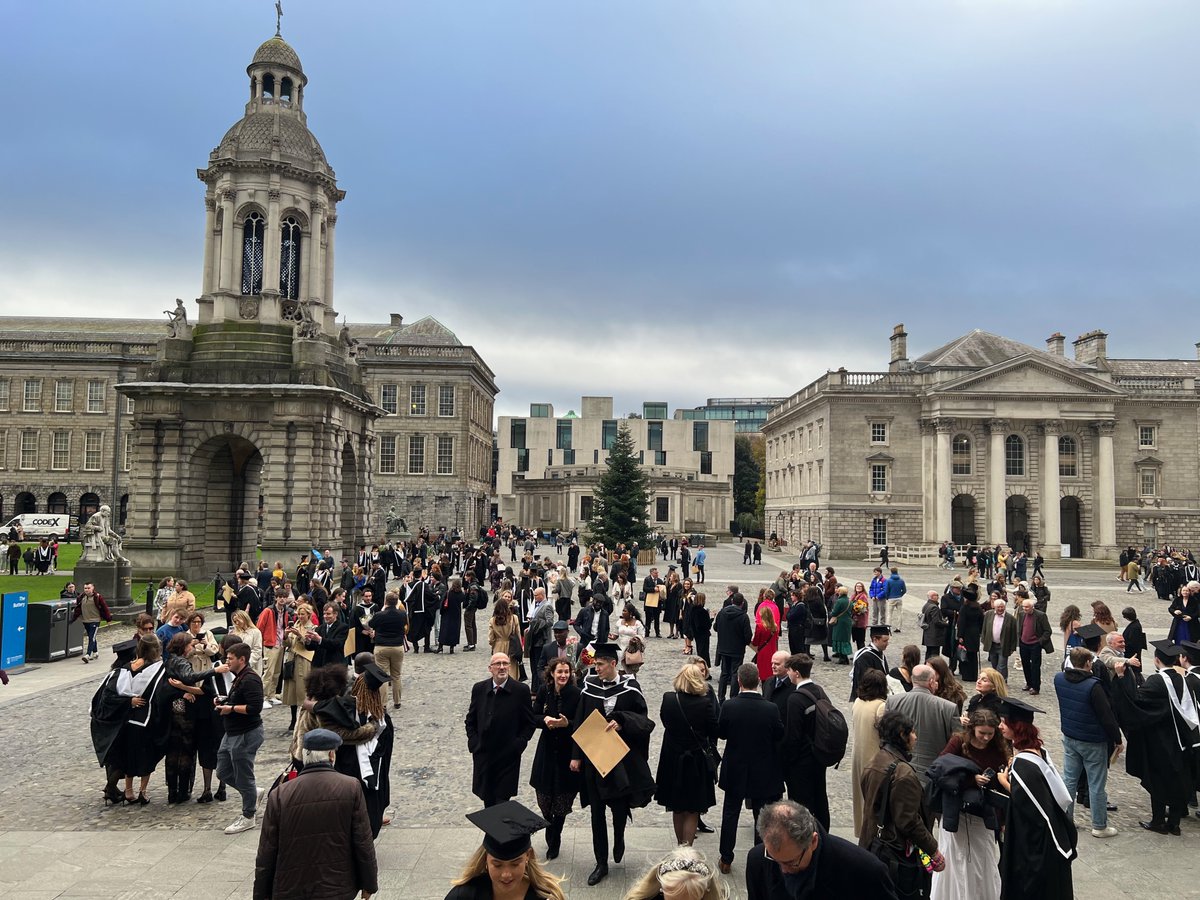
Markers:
89,503
351,531
226,477
1016,515
57,502
1070,512
123,510
26,503
962,519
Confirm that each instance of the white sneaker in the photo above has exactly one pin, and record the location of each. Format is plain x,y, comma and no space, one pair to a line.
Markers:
240,824
1108,832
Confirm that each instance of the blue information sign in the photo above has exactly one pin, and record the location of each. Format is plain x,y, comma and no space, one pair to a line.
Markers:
14,611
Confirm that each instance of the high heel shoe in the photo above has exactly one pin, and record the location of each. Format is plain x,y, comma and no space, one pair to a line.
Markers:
141,800
113,796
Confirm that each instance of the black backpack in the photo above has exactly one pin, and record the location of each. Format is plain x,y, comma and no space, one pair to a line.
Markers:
829,732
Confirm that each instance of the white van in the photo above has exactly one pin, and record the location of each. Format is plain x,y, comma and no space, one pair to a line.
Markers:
35,526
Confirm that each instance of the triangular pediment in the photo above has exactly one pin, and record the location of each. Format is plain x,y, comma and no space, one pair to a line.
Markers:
1030,374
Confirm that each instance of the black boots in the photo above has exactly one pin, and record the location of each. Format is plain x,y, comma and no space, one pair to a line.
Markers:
554,836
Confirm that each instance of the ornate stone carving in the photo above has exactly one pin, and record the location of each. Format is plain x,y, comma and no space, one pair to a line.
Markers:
273,195
943,425
100,542
1104,428
997,425
229,194
1051,426
248,308
210,202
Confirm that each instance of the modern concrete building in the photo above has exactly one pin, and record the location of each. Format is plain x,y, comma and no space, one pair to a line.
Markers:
548,467
748,414
989,440
261,422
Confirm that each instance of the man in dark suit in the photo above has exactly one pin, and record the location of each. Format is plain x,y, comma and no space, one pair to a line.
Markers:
734,634
747,723
778,688
803,773
799,846
331,637
499,725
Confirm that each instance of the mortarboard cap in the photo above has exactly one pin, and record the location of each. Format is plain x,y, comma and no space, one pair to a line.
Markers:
321,739
1017,709
507,828
1089,632
376,677
1166,650
1192,649
126,651
606,651
877,630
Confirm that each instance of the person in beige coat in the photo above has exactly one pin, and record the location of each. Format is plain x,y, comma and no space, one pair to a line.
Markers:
868,707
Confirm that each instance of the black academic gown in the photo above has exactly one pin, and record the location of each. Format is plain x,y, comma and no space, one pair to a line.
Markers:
376,786
631,783
480,888
866,658
499,725
109,712
1040,838
1159,741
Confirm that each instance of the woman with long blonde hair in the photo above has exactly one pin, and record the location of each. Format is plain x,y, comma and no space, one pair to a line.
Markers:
683,874
505,866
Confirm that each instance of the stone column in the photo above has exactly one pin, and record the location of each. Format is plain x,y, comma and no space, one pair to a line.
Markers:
997,524
313,288
210,223
227,250
330,228
943,498
271,237
1106,491
1051,521
928,488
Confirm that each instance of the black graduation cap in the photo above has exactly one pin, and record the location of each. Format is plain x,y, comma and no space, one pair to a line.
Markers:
1166,651
877,630
376,677
507,828
1090,632
1017,709
126,651
606,651
1192,649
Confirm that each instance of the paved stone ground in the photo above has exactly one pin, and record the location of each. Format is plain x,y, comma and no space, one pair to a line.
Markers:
57,839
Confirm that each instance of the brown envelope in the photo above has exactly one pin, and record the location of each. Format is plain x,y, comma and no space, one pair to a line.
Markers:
602,747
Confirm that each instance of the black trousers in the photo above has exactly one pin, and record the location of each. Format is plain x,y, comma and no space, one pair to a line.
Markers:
620,815
728,680
806,786
1161,812
730,813
653,617
1031,664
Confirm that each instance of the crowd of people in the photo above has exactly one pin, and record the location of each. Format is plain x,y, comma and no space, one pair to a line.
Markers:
953,795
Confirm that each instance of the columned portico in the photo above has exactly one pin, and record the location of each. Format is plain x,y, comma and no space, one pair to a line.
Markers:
1051,520
996,525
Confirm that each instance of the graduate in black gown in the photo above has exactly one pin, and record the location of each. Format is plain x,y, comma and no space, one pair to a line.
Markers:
1040,836
109,712
1159,719
630,785
506,863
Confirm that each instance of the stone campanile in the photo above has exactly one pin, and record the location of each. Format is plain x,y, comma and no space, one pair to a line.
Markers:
253,428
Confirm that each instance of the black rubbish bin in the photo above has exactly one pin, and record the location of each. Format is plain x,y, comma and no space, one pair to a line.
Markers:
49,629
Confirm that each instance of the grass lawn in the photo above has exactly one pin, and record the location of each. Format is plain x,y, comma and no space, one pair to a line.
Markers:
48,587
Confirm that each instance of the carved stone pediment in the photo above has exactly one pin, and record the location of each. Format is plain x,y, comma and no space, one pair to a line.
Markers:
1034,376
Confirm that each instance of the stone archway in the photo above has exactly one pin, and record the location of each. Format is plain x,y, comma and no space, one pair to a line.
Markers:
962,520
350,534
57,502
221,505
89,503
26,503
1016,516
1070,512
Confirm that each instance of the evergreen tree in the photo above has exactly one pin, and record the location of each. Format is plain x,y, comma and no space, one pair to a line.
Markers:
620,513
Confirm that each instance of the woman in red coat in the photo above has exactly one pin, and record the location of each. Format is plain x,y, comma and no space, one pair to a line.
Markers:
765,640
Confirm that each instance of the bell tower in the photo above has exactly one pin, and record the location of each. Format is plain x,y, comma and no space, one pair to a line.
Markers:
253,430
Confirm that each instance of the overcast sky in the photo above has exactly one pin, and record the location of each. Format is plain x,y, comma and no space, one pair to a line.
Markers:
657,199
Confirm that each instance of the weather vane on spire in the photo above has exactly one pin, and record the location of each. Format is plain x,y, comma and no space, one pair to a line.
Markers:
278,16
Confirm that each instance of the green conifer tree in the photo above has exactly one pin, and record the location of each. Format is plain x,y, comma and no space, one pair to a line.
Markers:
619,512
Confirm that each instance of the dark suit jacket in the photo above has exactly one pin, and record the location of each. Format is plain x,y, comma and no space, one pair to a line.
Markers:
779,696
749,722
842,870
550,651
333,644
499,726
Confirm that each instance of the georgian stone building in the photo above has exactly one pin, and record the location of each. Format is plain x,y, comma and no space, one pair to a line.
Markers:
549,467
988,440
260,422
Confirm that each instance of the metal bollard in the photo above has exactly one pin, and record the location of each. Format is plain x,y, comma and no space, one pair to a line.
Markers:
150,598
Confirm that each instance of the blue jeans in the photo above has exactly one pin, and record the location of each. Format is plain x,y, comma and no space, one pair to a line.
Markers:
235,766
91,628
1086,757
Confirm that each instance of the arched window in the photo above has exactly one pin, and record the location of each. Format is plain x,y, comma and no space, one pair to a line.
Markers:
57,503
960,455
268,87
289,259
285,92
1068,457
1014,455
252,254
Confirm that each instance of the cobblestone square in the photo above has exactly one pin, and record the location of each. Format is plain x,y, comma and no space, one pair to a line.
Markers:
58,840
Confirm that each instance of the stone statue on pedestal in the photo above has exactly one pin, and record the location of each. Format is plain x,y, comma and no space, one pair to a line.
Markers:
100,543
177,320
394,524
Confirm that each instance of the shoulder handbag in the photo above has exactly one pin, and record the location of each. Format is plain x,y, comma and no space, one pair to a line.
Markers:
635,653
907,873
712,759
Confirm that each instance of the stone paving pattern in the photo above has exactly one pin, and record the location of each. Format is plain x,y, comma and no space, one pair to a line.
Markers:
58,840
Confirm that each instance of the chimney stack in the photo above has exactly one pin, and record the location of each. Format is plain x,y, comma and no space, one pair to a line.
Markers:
1091,347
397,320
899,341
1056,344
